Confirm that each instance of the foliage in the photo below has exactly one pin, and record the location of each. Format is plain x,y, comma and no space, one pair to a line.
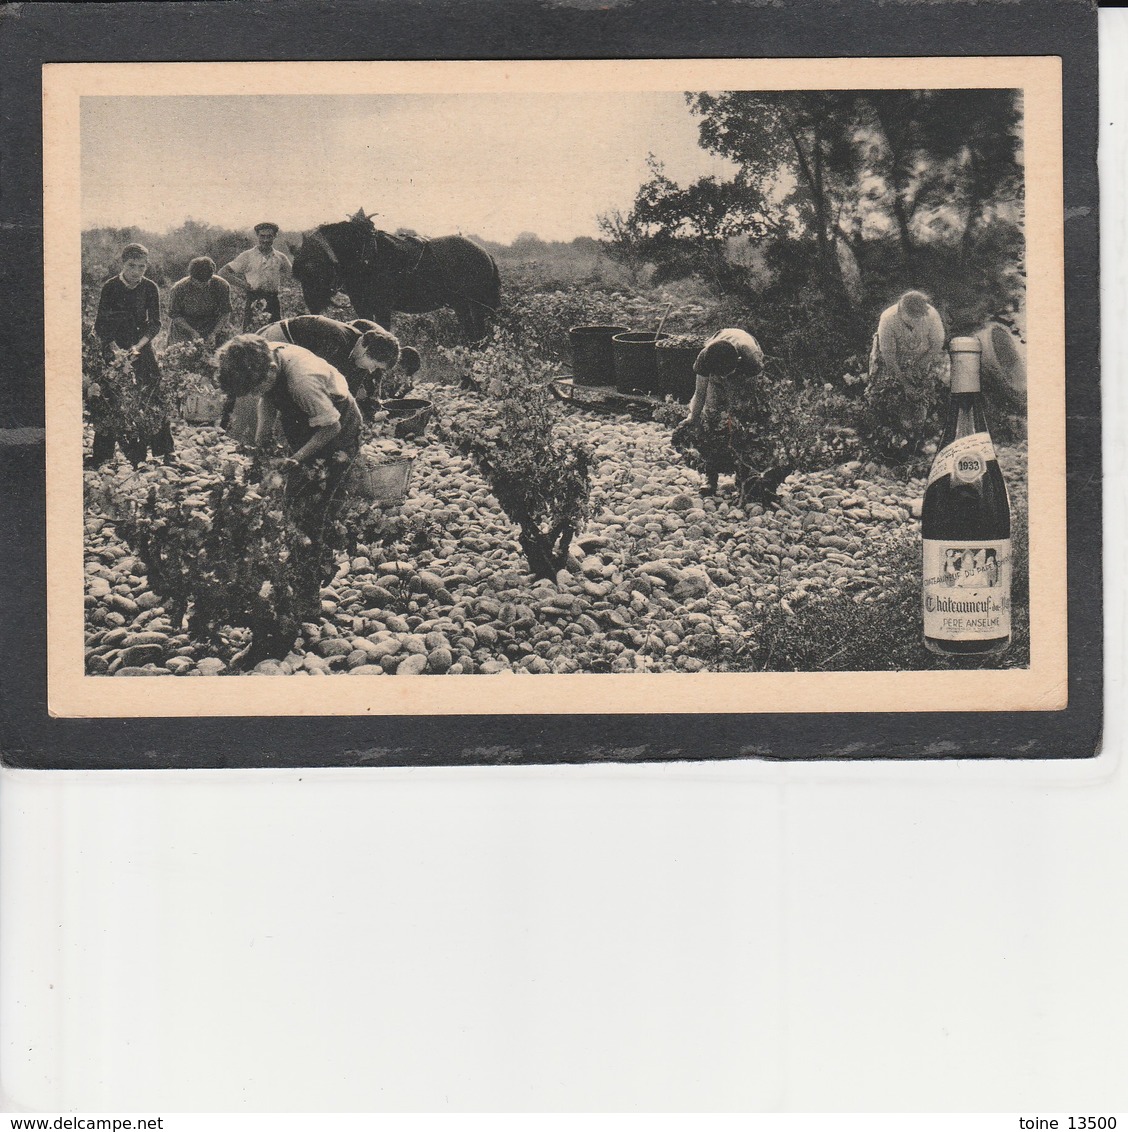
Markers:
841,632
925,165
669,413
898,423
538,322
187,368
685,231
433,330
116,399
541,480
246,544
776,428
945,160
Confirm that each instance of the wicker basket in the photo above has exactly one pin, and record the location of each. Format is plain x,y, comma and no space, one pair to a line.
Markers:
385,483
202,408
409,415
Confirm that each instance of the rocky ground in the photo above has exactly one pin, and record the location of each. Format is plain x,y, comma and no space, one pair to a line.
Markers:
664,580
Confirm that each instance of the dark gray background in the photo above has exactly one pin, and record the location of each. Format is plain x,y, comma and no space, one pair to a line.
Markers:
35,33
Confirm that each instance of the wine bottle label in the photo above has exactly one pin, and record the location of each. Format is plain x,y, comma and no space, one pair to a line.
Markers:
965,459
967,588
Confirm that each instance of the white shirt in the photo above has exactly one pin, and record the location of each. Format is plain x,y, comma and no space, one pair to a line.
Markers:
262,272
904,345
313,384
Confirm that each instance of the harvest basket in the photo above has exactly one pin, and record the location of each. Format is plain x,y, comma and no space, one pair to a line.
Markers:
383,482
409,415
202,408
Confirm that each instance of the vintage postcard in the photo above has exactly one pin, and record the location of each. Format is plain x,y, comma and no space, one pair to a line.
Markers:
575,387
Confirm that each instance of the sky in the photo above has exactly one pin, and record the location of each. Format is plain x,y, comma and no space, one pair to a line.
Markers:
491,165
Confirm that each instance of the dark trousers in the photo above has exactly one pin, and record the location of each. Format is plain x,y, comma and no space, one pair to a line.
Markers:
273,308
135,450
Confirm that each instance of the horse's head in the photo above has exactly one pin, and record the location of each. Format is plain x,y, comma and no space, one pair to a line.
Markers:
315,268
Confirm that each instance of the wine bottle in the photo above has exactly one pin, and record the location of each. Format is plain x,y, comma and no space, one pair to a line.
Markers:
965,526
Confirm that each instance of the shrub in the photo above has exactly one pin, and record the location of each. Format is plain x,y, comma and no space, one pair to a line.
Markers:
540,321
778,429
894,427
116,400
842,632
247,546
542,481
432,330
187,368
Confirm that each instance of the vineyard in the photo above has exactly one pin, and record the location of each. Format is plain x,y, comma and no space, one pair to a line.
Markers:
534,538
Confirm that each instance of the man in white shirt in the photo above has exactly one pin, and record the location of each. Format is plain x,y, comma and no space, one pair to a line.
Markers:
259,271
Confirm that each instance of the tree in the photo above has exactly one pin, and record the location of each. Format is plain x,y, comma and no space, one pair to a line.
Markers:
949,160
804,136
541,479
685,230
935,166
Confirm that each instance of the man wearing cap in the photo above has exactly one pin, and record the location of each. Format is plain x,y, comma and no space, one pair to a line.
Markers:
259,271
727,398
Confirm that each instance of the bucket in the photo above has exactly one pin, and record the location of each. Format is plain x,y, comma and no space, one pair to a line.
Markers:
409,415
592,360
636,367
1004,367
675,370
384,483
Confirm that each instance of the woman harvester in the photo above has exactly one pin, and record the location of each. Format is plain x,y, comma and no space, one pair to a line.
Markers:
728,400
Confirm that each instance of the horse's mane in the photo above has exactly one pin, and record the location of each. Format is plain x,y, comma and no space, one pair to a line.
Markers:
348,235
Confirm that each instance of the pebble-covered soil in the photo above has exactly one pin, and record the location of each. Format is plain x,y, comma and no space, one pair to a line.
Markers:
661,577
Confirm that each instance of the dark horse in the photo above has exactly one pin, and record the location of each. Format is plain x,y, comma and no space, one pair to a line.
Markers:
382,273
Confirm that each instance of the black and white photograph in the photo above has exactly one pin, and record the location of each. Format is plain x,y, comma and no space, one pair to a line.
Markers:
524,377
552,561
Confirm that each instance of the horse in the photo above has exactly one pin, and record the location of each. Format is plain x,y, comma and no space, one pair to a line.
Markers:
381,273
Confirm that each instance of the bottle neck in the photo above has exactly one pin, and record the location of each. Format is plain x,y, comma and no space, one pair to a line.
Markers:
965,373
965,416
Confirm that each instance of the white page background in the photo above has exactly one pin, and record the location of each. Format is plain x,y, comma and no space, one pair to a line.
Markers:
737,937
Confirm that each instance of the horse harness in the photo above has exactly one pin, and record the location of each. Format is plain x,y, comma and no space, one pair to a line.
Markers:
403,247
417,246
